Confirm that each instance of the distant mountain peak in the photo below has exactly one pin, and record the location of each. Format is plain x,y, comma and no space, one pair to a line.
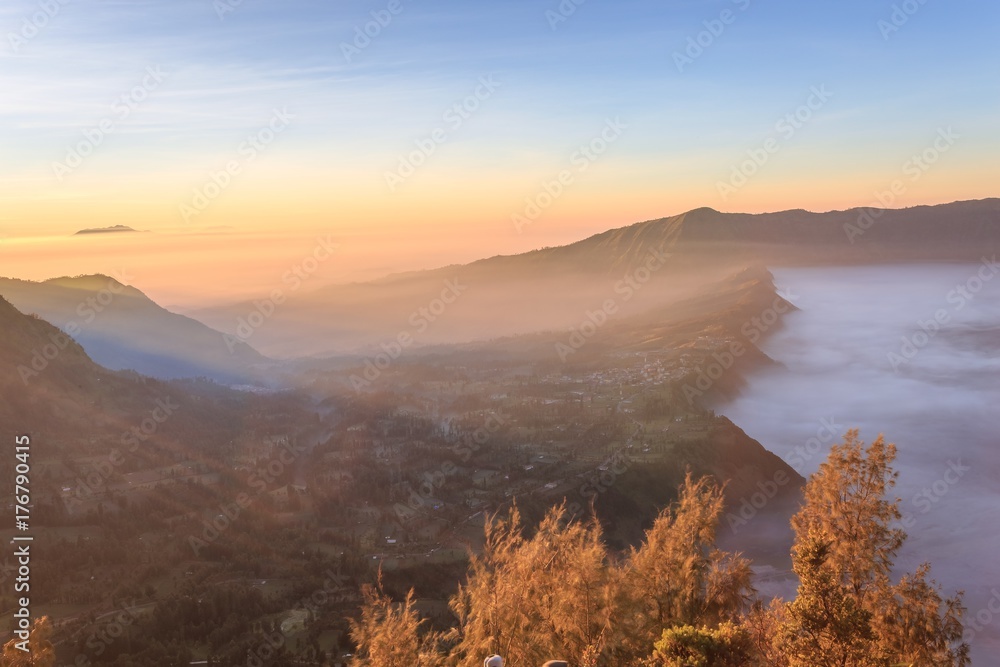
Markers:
703,210
122,328
106,230
90,281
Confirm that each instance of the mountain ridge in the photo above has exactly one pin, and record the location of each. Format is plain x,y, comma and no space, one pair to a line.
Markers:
121,328
690,227
551,287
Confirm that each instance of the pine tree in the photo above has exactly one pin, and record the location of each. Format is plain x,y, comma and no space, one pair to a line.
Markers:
677,576
389,634
488,605
40,653
763,626
846,499
846,543
531,599
825,626
918,626
677,601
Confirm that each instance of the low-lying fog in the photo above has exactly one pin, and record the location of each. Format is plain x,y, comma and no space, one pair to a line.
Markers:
911,351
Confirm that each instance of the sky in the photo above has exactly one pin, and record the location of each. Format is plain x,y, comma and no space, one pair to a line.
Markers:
237,133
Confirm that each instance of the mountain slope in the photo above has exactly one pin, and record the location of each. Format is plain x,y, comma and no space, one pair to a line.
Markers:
553,288
121,328
959,230
51,389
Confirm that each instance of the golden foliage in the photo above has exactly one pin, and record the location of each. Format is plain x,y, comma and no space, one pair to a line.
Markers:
40,653
678,601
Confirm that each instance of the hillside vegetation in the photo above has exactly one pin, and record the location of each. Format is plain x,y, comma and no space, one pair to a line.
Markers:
678,601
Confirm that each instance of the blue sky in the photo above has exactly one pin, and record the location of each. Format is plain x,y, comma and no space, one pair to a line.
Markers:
606,58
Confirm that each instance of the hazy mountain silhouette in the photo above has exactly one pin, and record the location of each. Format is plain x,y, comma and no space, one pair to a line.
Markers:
106,230
553,288
52,389
121,328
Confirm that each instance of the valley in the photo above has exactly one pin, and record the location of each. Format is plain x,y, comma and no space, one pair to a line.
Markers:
150,490
197,513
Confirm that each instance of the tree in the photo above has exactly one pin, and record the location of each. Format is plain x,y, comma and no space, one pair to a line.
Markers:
389,634
763,626
40,653
846,500
688,646
825,626
677,576
560,593
919,627
572,588
487,605
531,599
846,542
678,601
